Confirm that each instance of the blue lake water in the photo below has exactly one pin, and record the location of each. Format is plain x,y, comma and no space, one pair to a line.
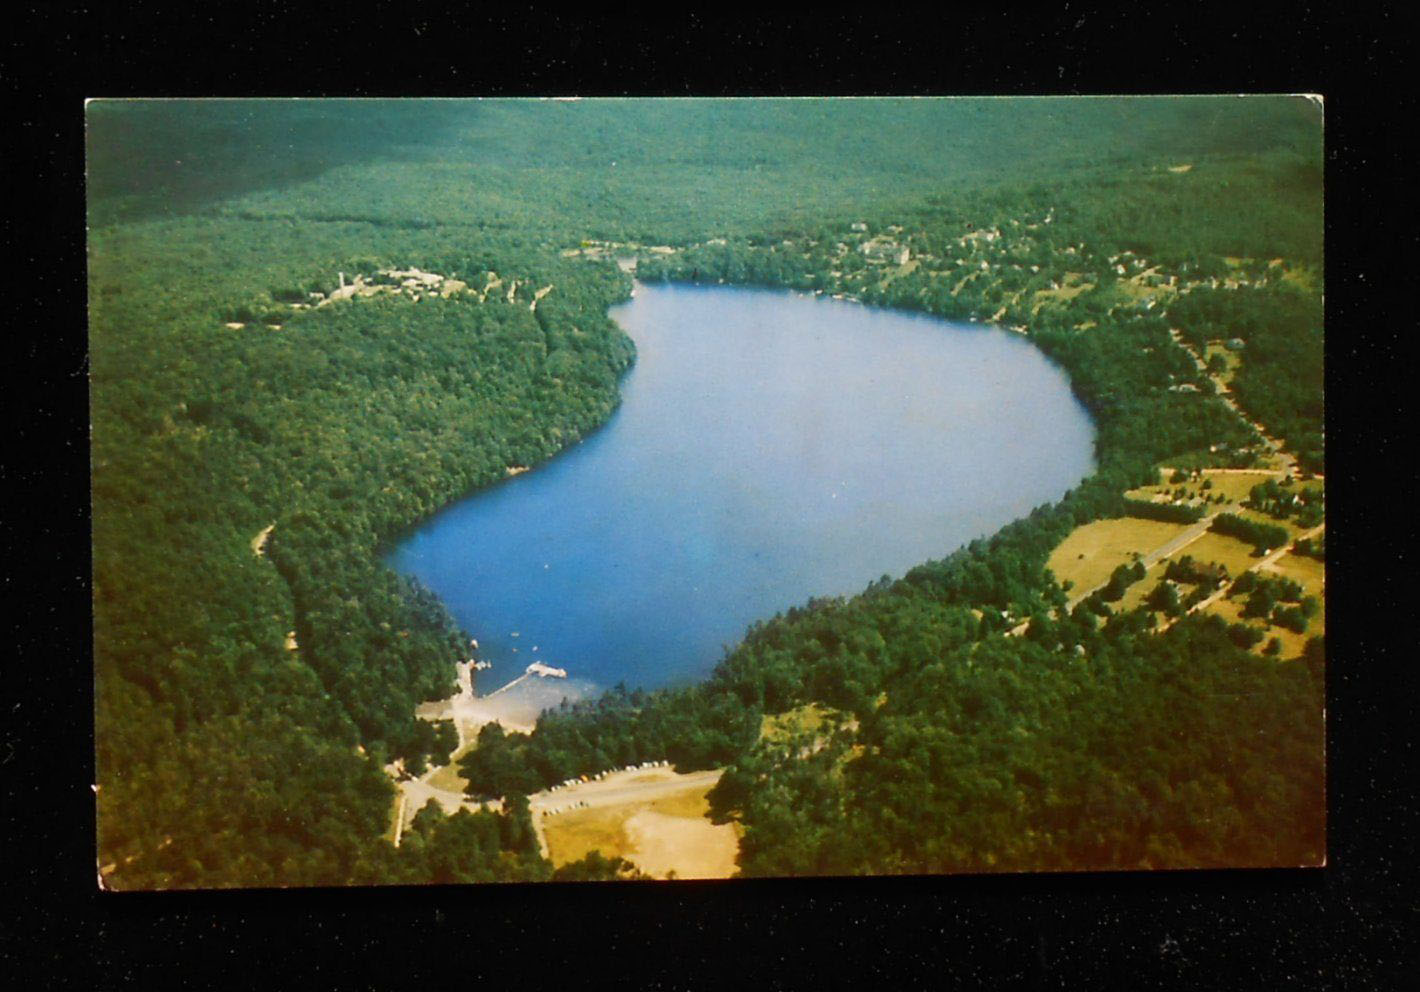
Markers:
770,447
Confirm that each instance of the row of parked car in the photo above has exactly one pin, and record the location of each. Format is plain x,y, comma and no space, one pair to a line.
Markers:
569,782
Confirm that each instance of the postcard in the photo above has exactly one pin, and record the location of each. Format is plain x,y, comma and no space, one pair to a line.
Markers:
643,489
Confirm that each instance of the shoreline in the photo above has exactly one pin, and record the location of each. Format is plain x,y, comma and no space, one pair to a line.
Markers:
515,712
470,712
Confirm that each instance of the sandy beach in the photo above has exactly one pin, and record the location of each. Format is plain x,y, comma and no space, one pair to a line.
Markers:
514,706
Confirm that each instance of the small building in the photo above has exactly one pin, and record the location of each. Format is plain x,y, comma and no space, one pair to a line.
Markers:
1235,344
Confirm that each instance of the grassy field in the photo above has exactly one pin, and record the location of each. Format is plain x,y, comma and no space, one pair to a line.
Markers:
1073,285
1308,571
1134,595
1226,551
1092,552
1292,643
660,836
1290,525
1234,486
793,723
448,777
1312,576
1230,357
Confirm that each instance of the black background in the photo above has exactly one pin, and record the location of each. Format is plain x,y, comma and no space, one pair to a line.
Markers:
1352,924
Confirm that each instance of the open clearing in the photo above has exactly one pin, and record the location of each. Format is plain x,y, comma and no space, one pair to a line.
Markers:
448,776
1231,360
1233,485
1092,552
1134,595
1072,286
1209,548
1308,571
1292,643
660,835
797,722
1312,576
1229,552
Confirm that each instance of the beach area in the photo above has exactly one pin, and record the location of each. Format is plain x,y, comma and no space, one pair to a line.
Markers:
514,706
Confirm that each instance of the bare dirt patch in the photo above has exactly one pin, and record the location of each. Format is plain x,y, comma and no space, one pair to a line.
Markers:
688,847
666,834
258,543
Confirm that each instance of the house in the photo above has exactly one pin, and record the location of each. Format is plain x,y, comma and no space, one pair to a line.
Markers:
881,249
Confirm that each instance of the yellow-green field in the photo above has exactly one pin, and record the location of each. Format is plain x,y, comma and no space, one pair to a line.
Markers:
1209,548
660,836
1235,486
794,723
1308,571
448,777
1134,595
1092,552
1232,358
1312,576
1290,526
1229,552
1073,285
1292,643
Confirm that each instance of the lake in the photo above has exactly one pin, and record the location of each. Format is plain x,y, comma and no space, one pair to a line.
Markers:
770,447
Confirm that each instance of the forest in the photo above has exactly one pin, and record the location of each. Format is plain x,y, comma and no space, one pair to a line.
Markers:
249,693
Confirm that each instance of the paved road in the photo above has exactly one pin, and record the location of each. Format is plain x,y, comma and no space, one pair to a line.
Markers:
1263,563
1187,537
1197,530
1152,558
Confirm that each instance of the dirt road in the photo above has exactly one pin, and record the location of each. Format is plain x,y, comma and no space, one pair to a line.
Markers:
616,789
624,787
